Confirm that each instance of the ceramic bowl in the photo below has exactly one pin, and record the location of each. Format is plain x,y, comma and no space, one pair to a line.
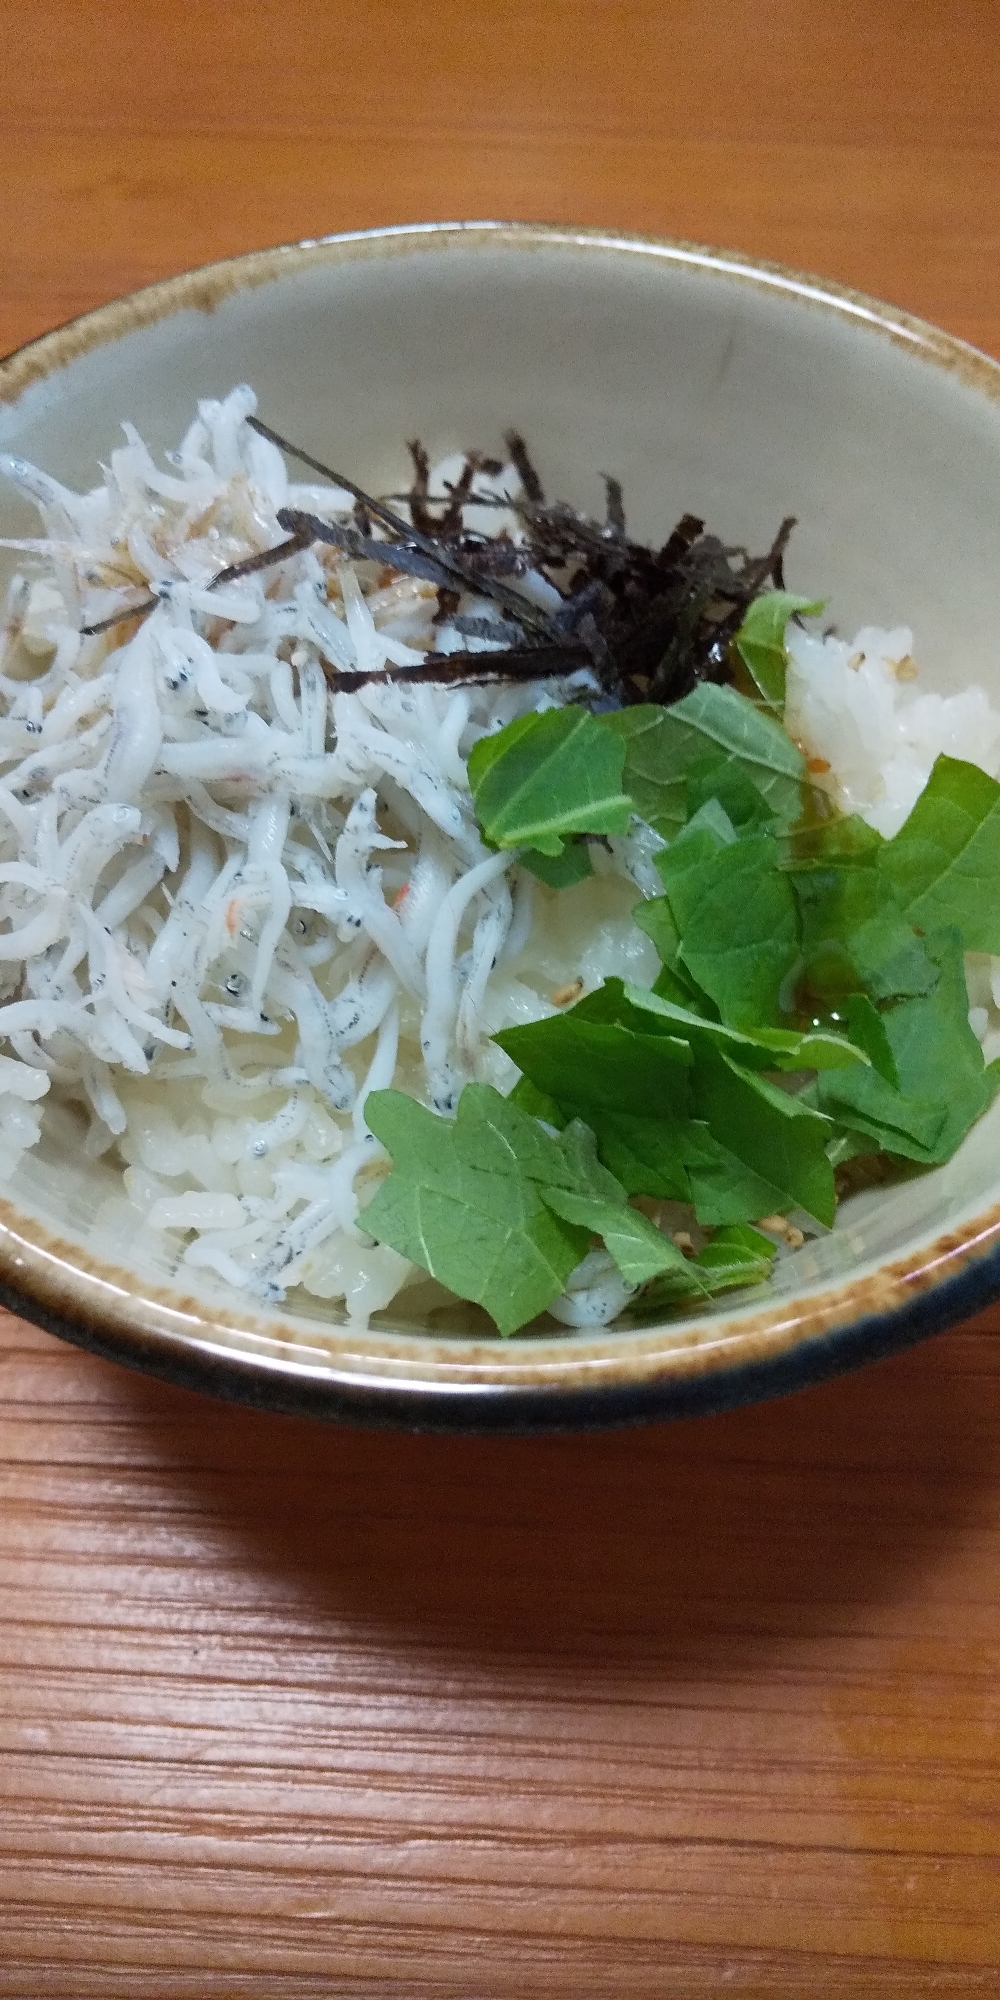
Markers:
706,382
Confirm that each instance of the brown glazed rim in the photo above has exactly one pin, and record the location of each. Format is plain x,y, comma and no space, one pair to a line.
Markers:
551,1381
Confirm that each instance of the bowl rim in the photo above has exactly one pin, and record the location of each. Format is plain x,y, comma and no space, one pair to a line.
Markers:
455,1382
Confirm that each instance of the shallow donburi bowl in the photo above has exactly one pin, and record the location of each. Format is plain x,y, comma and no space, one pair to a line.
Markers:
708,383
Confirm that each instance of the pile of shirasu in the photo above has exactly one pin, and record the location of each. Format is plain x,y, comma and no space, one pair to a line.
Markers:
221,876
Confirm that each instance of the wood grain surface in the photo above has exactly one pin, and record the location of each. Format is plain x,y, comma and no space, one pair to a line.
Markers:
710,1709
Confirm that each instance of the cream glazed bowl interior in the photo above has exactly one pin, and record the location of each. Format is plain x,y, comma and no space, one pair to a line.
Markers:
707,383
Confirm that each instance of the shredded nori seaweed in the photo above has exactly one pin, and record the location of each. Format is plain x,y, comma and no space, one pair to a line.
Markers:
650,624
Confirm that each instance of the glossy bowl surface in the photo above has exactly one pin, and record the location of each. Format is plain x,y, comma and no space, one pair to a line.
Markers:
706,382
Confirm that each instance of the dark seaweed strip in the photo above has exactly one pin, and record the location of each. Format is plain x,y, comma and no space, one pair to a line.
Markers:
407,534
615,505
450,523
447,604
471,627
234,573
491,466
651,623
521,458
252,565
395,555
119,617
516,663
769,568
680,541
583,601
495,558
417,495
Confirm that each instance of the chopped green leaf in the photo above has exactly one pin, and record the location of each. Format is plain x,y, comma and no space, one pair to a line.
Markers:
674,981
546,776
601,1065
463,1201
761,639
864,1101
499,1211
671,984
711,817
944,863
655,780
675,1105
736,1255
855,936
731,787
698,742
812,1048
685,1161
639,1249
724,1187
536,1104
700,841
847,1145
560,871
944,1085
738,924
647,1155
935,1050
867,1029
828,839
758,1048
774,1135
718,716
584,1171
598,1202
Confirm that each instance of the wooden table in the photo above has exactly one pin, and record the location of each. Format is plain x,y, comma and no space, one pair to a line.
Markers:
678,1712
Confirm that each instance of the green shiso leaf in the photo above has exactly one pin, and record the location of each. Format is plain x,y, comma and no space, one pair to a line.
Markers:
732,1252
773,1135
867,1029
560,871
655,779
894,1123
701,740
761,639
730,787
737,1255
944,863
536,1104
498,1210
791,939
674,981
639,1249
737,921
648,1155
855,936
758,1048
589,1066
598,1203
725,1187
547,776
935,1050
679,1104
463,1201
943,1082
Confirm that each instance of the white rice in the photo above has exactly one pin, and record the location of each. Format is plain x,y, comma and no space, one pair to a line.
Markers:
855,707
234,902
